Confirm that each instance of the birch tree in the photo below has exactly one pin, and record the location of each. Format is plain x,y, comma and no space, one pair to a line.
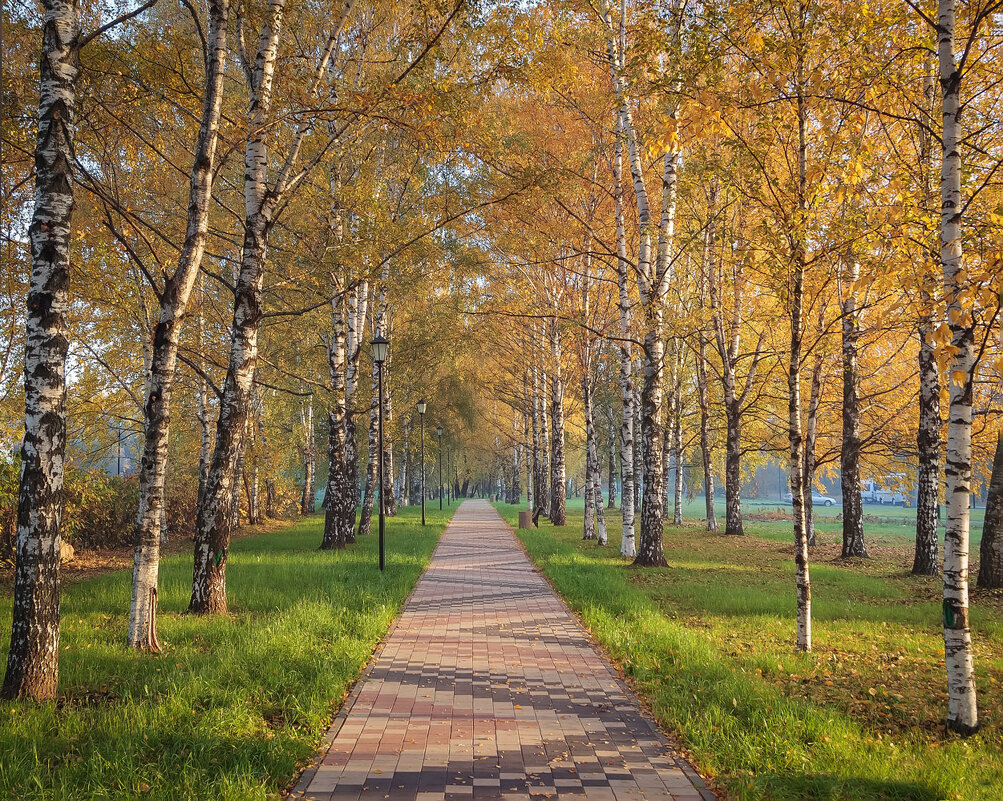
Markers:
174,297
962,715
653,278
263,200
849,455
33,659
558,475
628,490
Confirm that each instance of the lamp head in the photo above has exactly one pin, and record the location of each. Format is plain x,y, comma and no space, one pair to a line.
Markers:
380,345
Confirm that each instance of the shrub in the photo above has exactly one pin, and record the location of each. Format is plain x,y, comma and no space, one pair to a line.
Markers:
100,510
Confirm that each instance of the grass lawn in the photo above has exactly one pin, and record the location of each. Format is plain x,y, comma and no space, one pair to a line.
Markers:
709,642
234,707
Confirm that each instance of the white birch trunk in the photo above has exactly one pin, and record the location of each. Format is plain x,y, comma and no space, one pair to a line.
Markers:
33,659
677,434
928,441
372,464
308,503
558,474
357,312
849,456
339,494
962,715
214,521
160,382
703,383
799,257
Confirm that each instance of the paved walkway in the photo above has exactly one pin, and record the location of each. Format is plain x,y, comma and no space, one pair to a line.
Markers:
489,688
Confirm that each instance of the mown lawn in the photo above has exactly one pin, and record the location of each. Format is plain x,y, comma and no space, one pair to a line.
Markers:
234,707
709,642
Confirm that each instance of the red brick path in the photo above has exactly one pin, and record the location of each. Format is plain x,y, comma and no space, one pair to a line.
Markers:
488,688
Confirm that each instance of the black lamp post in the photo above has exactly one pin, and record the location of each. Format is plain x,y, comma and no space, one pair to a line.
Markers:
421,416
380,345
438,431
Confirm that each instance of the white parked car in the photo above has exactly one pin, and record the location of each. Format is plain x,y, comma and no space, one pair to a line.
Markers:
817,499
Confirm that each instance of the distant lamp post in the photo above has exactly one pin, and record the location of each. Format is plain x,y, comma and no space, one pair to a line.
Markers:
421,416
380,345
438,431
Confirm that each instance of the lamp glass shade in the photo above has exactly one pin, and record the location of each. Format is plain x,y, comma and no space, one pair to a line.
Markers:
380,345
422,406
439,431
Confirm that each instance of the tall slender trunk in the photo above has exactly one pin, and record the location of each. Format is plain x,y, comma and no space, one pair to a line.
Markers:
799,260
515,489
254,512
238,475
733,467
163,365
590,433
706,455
407,468
653,287
653,284
213,523
928,442
558,477
849,458
588,407
339,493
544,415
387,489
611,463
528,444
307,500
962,713
991,551
810,438
205,452
33,659
650,550
263,460
261,202
637,382
667,440
677,433
531,391
594,477
369,491
703,386
358,307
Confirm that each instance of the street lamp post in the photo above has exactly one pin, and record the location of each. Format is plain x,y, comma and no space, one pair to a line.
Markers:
380,345
438,431
421,416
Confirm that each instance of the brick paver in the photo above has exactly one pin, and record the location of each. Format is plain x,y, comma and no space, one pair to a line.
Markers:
489,688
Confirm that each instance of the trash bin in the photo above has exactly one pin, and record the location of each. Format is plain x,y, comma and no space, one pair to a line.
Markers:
525,519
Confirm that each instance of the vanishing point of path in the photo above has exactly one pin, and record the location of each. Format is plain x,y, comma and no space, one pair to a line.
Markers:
488,687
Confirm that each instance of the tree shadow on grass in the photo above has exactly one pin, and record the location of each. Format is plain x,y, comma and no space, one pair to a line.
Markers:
824,787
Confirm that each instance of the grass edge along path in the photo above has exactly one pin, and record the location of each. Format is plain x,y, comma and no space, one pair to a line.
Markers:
236,706
751,739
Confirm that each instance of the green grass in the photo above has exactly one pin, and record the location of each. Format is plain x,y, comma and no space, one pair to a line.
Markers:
709,642
897,522
235,706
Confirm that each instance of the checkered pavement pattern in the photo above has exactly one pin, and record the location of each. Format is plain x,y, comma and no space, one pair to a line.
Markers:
487,687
